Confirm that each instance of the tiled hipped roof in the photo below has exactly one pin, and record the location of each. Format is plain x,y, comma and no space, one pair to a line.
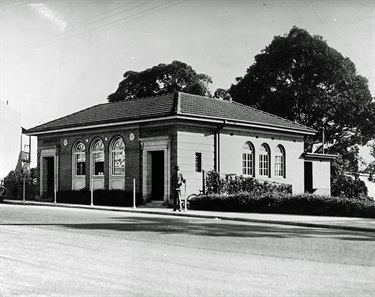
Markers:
233,111
175,104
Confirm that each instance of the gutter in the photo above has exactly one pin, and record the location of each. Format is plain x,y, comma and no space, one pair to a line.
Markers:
174,117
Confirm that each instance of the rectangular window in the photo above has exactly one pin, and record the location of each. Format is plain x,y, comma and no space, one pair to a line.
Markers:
99,163
279,166
198,162
118,162
247,164
263,165
80,164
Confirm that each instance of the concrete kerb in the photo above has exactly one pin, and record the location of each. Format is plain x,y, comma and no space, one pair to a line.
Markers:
214,215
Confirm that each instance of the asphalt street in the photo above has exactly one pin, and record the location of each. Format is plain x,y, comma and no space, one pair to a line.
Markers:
60,251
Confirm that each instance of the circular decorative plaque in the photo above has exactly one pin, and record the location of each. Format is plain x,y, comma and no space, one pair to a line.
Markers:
131,136
65,142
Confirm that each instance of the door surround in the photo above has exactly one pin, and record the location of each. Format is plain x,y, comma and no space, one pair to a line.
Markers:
44,154
149,145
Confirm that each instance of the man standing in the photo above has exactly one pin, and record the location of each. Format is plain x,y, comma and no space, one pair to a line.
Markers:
177,180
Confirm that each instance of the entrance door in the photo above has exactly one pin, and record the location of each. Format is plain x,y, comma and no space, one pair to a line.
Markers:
157,175
308,177
49,176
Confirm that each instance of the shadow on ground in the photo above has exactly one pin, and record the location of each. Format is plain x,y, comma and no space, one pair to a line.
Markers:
208,227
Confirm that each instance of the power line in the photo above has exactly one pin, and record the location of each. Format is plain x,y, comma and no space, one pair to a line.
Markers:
340,37
366,13
103,19
108,11
122,21
85,25
135,16
119,20
353,14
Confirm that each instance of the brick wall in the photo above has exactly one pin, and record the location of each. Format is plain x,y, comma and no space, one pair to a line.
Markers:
66,141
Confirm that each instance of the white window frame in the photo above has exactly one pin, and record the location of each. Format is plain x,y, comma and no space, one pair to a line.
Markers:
97,152
264,160
248,159
117,156
280,161
79,151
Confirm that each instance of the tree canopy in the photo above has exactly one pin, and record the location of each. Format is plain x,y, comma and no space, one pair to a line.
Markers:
161,79
301,78
372,148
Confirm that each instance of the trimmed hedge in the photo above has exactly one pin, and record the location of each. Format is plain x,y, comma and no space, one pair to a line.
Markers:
101,197
304,204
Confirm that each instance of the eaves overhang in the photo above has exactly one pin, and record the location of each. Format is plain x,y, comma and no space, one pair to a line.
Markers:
97,126
257,125
318,157
185,116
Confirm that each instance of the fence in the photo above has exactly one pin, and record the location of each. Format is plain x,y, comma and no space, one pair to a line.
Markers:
20,192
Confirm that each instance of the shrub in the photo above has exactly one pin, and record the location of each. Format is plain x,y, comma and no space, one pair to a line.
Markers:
346,186
302,204
218,183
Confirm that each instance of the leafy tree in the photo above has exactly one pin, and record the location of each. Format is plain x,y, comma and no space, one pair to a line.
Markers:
346,186
372,148
301,78
370,169
13,178
222,94
161,79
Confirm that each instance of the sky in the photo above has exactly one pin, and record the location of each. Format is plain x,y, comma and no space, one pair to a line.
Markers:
58,57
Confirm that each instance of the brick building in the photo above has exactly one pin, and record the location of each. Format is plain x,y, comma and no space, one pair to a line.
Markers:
109,145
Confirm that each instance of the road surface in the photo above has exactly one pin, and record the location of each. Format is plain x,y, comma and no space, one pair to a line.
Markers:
61,251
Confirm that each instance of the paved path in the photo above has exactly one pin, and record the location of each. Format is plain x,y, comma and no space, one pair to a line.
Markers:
345,223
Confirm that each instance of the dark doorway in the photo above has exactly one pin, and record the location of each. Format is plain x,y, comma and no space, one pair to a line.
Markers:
49,176
308,177
157,175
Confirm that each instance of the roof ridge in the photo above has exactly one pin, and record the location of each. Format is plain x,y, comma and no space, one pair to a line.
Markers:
139,98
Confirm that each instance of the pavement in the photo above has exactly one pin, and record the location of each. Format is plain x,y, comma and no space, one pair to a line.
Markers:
343,223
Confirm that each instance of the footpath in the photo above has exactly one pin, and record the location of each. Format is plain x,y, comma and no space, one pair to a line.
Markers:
343,223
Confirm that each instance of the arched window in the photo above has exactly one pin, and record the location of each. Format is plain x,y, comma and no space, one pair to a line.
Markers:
79,158
248,157
117,155
264,160
97,150
280,161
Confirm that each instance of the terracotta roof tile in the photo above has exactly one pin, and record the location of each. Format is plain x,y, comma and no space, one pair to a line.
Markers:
232,111
166,105
149,107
